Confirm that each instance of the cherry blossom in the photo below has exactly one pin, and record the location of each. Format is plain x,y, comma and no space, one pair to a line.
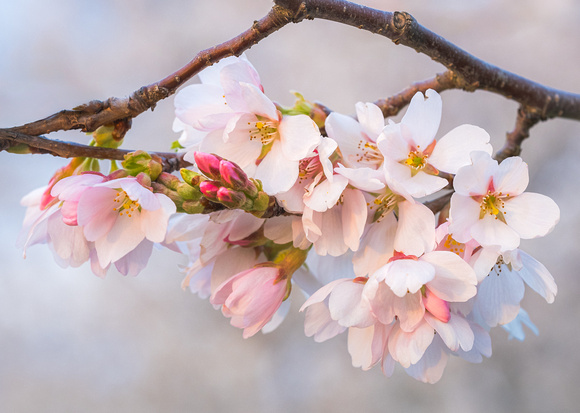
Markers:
490,205
412,156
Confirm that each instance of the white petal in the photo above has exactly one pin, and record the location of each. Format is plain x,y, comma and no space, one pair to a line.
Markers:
347,306
279,229
364,178
490,231
371,118
376,247
277,172
408,275
392,144
248,98
423,117
454,279
453,150
499,296
416,230
347,132
318,323
474,179
531,215
410,310
202,106
455,333
299,136
463,215
512,176
326,194
538,277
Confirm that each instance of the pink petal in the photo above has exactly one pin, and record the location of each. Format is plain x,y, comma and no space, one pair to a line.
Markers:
474,179
408,348
96,212
354,217
123,237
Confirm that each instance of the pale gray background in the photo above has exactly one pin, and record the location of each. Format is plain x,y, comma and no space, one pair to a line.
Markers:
72,342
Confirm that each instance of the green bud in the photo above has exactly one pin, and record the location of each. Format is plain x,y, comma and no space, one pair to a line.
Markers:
190,177
188,192
140,161
192,207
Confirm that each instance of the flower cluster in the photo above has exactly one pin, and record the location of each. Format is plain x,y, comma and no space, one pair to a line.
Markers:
272,206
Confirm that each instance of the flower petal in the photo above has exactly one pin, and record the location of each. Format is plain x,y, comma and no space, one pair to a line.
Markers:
299,136
531,215
423,117
453,150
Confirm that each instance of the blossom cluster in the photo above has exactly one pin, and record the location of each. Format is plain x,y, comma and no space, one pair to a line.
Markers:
272,207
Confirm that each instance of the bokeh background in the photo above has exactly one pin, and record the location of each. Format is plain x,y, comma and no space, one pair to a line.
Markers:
72,342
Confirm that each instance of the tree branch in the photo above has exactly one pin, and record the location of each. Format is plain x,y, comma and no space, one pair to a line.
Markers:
88,117
464,72
524,121
39,144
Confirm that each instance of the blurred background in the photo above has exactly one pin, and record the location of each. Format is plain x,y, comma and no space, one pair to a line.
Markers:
71,342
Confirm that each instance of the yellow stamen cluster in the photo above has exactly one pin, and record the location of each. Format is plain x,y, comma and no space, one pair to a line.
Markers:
368,153
264,131
383,204
308,168
416,160
493,204
454,246
125,204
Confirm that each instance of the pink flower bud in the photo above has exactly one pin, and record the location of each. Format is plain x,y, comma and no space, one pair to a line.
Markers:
234,177
436,306
209,189
209,164
231,198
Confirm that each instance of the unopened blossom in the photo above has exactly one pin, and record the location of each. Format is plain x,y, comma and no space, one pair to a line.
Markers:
252,297
490,205
412,156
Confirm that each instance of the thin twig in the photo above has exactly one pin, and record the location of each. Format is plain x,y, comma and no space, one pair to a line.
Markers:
513,145
40,144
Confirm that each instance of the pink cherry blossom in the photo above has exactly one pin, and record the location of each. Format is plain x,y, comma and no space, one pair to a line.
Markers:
413,158
490,205
251,297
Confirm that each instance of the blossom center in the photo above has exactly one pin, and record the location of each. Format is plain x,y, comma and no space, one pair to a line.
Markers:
493,204
454,246
309,168
265,131
416,160
383,204
368,153
125,205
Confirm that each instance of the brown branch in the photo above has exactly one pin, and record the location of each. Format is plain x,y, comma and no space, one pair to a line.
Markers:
40,144
524,121
464,71
391,106
88,117
403,29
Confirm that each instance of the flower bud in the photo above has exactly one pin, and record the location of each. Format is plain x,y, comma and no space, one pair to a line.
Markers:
261,202
190,177
188,192
231,198
209,164
168,180
192,207
140,161
209,189
234,177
